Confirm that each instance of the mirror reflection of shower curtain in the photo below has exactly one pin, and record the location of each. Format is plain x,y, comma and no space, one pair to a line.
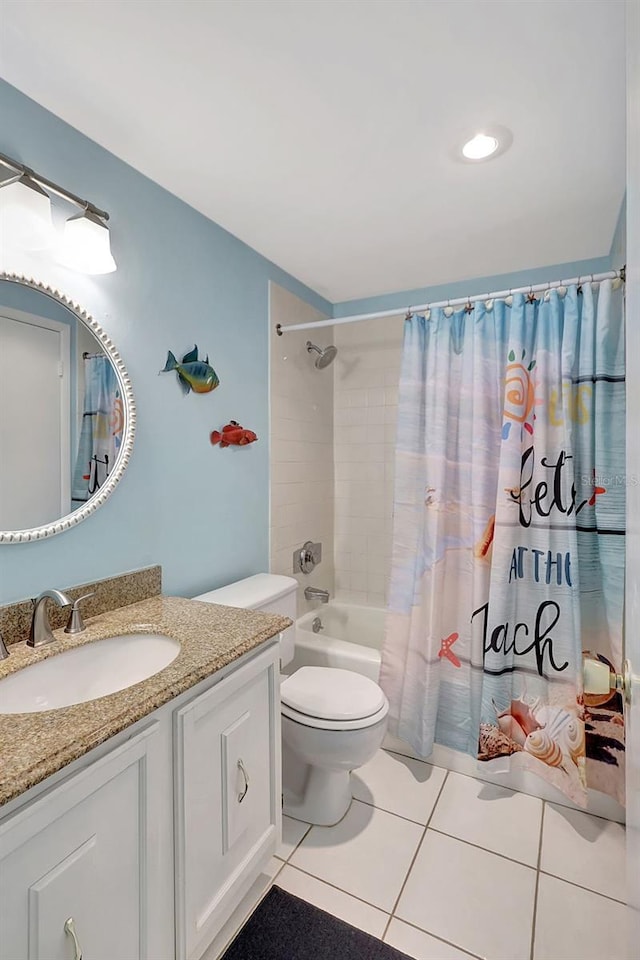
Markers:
101,430
508,540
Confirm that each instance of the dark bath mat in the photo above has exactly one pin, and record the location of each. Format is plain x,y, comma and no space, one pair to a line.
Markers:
284,927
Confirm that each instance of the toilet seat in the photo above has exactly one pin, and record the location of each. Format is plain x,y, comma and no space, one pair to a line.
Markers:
317,724
329,698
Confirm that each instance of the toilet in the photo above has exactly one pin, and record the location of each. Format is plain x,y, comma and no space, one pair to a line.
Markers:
333,721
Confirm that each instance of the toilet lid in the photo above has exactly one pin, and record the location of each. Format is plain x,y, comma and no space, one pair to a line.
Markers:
331,694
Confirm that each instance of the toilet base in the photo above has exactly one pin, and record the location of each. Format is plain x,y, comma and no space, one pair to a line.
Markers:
327,797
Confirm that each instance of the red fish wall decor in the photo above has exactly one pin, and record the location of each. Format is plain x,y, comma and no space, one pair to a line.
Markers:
233,435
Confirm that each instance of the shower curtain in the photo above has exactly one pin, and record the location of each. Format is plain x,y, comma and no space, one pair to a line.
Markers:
508,536
101,429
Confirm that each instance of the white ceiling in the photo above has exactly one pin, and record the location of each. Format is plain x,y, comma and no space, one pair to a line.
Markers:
321,131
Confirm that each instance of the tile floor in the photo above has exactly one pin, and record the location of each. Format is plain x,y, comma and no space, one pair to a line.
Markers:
446,867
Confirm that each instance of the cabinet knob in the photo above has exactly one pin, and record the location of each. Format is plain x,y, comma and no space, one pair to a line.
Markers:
70,929
243,792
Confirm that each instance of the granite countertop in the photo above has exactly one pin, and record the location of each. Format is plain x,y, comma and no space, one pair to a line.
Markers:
35,745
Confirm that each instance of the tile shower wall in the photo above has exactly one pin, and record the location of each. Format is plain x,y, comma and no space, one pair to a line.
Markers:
367,371
302,506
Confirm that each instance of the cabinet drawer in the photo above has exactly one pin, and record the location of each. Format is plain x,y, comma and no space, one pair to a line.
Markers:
228,796
78,853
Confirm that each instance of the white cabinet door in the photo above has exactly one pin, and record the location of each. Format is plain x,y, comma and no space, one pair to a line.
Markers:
228,797
79,852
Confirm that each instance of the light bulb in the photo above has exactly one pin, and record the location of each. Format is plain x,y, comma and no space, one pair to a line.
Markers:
86,246
25,215
480,147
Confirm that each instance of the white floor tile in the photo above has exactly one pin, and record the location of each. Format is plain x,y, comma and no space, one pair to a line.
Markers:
572,923
492,817
292,833
470,897
367,854
335,902
586,850
420,945
272,868
400,785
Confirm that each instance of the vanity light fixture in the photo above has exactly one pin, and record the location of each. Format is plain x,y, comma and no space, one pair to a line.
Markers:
25,213
85,245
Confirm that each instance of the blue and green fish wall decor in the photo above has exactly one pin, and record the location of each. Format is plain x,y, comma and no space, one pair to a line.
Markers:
193,374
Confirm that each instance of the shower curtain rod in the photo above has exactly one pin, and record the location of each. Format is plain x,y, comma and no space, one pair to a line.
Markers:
455,302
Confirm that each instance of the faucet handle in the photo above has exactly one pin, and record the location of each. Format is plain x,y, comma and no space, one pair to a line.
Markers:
76,624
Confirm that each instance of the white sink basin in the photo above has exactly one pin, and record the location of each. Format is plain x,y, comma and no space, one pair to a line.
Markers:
86,673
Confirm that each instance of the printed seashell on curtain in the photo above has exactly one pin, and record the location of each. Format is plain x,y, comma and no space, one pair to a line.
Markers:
508,544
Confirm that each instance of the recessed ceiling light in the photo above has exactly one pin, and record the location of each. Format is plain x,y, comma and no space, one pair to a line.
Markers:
480,147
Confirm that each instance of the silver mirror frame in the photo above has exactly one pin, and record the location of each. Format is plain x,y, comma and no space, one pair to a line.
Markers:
128,433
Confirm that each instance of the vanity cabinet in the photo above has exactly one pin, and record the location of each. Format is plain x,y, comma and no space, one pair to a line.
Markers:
151,845
79,853
228,799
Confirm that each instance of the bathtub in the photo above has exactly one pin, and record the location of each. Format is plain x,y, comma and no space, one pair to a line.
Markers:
351,638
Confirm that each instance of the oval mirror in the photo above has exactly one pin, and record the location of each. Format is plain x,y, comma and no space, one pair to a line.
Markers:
67,415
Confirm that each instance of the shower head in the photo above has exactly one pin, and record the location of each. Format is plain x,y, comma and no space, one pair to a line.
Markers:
325,356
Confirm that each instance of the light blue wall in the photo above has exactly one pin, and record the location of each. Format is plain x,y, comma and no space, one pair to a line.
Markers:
463,288
200,511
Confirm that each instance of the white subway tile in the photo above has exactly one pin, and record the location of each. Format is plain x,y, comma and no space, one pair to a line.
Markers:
375,452
358,416
391,413
375,397
375,583
358,580
357,398
375,416
358,596
376,599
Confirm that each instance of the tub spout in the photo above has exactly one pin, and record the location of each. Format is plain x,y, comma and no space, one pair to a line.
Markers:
315,593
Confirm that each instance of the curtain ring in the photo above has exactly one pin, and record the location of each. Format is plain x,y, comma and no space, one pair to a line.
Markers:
408,314
468,306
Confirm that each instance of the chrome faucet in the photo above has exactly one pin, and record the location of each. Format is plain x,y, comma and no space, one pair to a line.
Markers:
40,632
315,593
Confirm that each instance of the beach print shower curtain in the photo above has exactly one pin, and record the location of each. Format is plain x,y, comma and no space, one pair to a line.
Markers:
508,538
101,429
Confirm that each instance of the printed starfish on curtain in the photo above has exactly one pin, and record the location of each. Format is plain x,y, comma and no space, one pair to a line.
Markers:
446,651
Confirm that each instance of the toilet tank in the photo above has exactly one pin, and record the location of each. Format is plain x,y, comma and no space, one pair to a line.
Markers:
267,592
